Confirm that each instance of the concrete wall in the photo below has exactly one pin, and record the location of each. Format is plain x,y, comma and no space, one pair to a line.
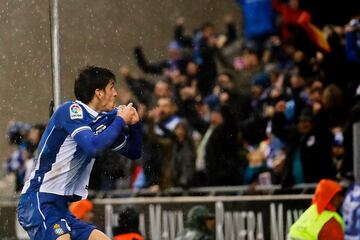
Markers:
93,32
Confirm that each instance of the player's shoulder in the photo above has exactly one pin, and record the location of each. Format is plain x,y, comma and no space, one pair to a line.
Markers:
72,109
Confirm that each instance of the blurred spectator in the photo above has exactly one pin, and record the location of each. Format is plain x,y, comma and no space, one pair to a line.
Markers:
175,61
222,162
201,177
33,139
108,168
308,156
334,64
128,224
258,18
17,131
253,128
255,168
275,154
332,106
204,51
200,224
141,88
321,220
338,151
162,90
183,156
162,122
290,13
351,212
352,37
352,46
82,210
353,117
26,138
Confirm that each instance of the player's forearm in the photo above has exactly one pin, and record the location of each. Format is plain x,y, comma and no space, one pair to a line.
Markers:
133,147
92,144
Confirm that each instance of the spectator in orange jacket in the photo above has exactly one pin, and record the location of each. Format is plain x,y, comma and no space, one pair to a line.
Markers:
82,210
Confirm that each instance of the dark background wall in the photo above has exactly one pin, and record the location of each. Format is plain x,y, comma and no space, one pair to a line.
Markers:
93,32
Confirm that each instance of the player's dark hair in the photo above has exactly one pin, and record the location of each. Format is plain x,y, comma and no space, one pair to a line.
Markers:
90,79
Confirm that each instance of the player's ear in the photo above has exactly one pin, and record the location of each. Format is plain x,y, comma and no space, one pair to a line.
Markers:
98,93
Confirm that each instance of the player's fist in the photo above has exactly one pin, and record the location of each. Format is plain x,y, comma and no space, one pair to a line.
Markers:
135,117
126,113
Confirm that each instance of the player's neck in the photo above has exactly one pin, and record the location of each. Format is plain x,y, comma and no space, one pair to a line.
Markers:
94,106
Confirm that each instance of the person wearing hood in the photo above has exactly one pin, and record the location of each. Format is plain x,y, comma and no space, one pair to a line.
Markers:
321,220
200,225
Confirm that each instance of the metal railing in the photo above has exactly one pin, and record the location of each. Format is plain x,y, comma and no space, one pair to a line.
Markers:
305,188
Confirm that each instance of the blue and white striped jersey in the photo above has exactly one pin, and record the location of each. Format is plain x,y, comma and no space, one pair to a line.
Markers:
61,166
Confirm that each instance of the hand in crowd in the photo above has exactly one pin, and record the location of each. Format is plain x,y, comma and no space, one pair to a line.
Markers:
138,51
187,93
269,111
275,40
228,19
353,25
316,106
280,106
180,21
220,41
124,71
224,97
154,114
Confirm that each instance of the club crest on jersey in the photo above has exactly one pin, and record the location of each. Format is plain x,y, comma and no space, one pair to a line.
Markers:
76,112
58,230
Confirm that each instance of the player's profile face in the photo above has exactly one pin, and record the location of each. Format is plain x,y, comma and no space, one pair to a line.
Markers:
108,97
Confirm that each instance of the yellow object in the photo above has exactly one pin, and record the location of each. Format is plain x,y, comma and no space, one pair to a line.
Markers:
310,223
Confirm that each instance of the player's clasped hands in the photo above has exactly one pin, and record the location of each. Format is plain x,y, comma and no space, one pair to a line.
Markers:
128,113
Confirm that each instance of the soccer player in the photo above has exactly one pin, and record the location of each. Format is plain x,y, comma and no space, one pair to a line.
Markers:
75,134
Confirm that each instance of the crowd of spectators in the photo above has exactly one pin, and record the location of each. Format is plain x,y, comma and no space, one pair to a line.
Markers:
26,138
272,104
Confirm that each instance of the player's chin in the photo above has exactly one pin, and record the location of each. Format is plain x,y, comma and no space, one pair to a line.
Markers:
109,108
112,106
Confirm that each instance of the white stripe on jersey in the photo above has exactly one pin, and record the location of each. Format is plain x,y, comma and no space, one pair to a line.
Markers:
59,169
121,145
76,131
27,183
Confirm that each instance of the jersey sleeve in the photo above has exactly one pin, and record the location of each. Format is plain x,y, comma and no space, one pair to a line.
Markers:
130,145
71,118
